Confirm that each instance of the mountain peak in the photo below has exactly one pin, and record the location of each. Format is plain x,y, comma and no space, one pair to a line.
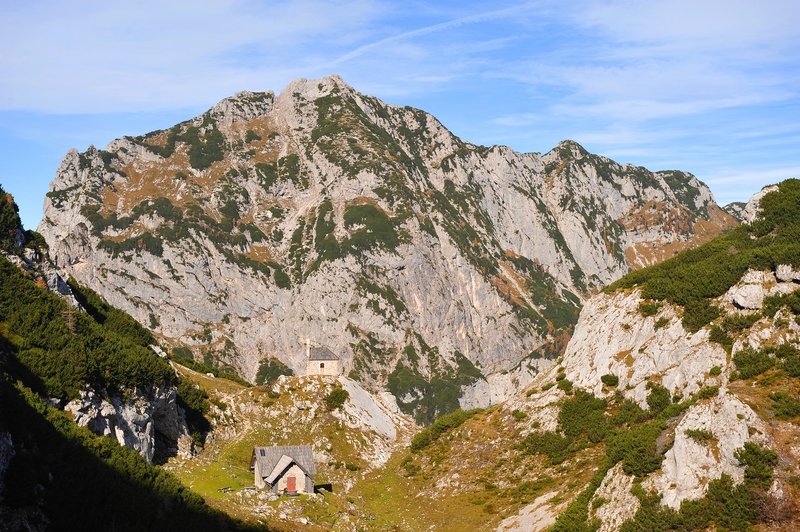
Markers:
323,213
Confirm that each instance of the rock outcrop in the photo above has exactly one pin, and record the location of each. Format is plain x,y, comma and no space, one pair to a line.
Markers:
612,337
325,214
725,424
615,502
150,423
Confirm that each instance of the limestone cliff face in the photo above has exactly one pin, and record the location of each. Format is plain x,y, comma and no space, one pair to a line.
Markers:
149,422
433,267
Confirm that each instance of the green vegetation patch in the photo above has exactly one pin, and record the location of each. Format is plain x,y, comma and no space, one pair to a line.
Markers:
269,369
204,149
426,398
65,348
443,424
373,229
694,276
336,399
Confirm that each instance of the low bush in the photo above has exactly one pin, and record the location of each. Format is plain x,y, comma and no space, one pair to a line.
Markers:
786,406
700,435
609,379
751,363
269,369
336,399
649,308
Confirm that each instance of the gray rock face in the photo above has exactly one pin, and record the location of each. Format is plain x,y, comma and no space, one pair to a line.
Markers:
620,504
750,211
784,273
749,296
612,337
325,214
690,464
147,422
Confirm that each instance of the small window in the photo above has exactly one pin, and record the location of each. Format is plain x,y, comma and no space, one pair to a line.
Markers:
262,452
322,365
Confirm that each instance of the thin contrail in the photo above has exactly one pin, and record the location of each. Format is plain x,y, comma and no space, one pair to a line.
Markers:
431,29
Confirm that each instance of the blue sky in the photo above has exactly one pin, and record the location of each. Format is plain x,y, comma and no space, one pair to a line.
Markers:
709,87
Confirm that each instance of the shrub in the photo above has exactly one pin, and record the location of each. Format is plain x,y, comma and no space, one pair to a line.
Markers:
555,446
786,406
759,464
661,322
791,366
251,135
751,363
700,435
739,322
715,371
719,336
269,369
649,308
636,448
336,399
698,313
584,414
658,399
442,424
708,392
609,379
282,279
519,415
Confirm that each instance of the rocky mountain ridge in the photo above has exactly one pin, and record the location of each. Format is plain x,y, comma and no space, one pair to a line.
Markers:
435,268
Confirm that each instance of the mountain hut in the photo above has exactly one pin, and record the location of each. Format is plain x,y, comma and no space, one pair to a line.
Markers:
285,469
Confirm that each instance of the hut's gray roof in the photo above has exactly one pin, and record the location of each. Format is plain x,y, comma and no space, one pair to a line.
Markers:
321,353
269,457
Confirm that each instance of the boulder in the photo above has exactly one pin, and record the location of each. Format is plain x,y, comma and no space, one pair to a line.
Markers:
749,296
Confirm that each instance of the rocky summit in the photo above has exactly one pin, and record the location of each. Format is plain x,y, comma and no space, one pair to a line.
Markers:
445,272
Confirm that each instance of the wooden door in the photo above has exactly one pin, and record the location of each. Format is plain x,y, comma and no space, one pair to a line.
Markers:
291,484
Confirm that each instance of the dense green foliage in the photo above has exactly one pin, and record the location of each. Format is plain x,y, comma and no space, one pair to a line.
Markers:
630,433
109,317
110,354
609,379
751,362
442,424
9,221
269,369
649,308
785,406
696,275
183,356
